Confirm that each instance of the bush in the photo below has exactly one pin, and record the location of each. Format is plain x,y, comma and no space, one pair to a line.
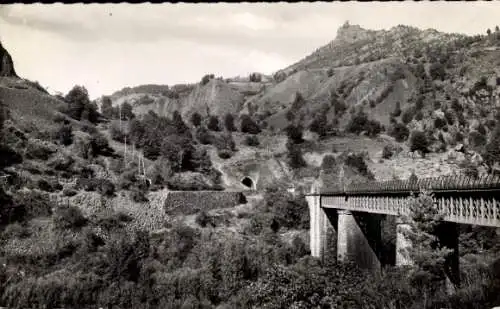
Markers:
407,116
439,123
32,204
99,145
69,217
319,124
329,163
492,149
117,134
229,123
357,161
69,192
203,219
107,188
252,140
248,125
476,139
419,141
295,156
213,123
360,122
64,135
207,78
37,150
225,154
294,133
196,119
400,132
387,152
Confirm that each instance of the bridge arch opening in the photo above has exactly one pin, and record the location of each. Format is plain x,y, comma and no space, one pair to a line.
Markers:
248,182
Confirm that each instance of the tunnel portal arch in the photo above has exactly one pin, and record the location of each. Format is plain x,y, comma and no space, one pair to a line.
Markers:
248,182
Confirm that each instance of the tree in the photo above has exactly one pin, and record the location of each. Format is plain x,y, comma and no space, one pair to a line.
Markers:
65,135
206,79
295,155
196,119
77,99
294,133
107,107
229,122
213,123
319,124
179,124
488,32
127,111
497,29
255,77
427,253
248,125
492,149
419,141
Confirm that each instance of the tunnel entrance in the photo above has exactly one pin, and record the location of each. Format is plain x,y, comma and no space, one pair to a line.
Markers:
248,182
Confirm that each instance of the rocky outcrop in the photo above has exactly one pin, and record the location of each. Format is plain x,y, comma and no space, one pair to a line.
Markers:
6,64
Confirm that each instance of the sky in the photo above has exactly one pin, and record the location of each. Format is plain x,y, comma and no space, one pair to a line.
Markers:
106,47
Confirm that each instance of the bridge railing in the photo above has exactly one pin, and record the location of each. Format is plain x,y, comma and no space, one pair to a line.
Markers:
434,184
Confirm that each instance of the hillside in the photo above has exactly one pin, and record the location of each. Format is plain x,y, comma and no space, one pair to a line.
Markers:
151,208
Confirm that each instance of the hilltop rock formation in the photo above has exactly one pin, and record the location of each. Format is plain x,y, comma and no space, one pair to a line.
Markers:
6,63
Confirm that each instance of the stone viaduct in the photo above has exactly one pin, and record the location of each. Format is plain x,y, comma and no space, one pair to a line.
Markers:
353,215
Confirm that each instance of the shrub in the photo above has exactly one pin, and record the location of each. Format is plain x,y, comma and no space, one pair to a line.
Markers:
207,78
64,135
357,162
107,188
360,122
139,196
294,133
319,124
252,140
295,156
32,204
225,154
387,152
203,219
117,134
213,123
492,149
328,163
99,145
44,185
196,119
69,192
69,217
248,125
450,118
37,150
419,141
407,115
439,123
476,139
229,122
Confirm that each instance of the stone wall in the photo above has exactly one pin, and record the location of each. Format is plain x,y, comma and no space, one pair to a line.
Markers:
190,202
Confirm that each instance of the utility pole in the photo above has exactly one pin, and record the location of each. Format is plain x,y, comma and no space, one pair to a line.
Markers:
125,155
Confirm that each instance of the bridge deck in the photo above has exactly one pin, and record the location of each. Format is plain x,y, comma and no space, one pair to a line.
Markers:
460,199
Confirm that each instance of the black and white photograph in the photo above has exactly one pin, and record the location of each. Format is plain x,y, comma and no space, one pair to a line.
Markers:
266,155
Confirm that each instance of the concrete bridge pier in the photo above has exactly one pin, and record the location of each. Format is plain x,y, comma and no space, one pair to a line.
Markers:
323,225
359,239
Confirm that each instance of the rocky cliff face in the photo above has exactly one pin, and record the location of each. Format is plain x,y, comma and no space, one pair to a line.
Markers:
6,63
